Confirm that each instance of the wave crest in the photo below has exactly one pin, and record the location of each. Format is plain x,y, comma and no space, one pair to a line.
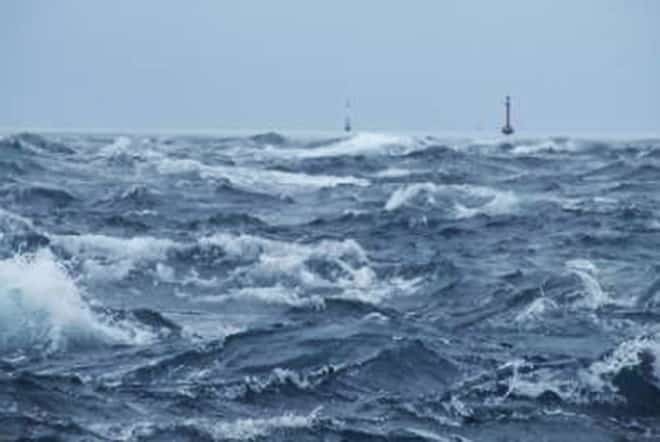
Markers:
462,200
42,310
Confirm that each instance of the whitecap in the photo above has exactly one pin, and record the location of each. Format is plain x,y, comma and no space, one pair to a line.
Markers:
42,309
598,376
274,270
111,258
393,172
593,296
546,146
277,295
466,200
536,310
363,143
273,182
252,428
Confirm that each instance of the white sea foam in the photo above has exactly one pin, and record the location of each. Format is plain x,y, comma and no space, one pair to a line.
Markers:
489,201
536,310
592,296
273,259
111,258
408,192
546,146
429,435
589,295
248,429
519,146
252,428
583,385
539,381
121,147
598,376
258,180
274,270
269,295
41,308
499,202
265,270
364,143
393,172
283,376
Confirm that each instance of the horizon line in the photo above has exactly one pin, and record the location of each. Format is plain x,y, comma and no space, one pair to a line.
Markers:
495,131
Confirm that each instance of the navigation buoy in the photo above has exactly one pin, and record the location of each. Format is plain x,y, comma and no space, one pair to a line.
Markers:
508,129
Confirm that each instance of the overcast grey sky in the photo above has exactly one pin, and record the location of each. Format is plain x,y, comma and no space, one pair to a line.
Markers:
289,64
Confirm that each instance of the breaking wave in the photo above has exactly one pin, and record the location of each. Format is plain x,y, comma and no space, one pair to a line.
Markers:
257,180
239,429
464,201
421,288
33,143
42,310
360,144
242,267
105,257
300,274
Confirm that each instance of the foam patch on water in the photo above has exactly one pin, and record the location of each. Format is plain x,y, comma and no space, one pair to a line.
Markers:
111,258
364,143
119,145
252,428
582,385
393,172
271,260
256,180
588,295
280,377
593,295
239,429
277,295
465,200
536,310
261,269
520,146
547,146
535,383
594,383
407,193
42,309
627,354
275,270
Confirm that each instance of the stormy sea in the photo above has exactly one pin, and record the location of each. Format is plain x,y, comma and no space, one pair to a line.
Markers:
366,287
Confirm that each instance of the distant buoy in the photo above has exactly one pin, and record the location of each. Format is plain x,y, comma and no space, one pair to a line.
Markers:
508,129
347,122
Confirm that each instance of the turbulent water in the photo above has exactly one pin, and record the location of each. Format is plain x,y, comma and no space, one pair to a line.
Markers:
372,287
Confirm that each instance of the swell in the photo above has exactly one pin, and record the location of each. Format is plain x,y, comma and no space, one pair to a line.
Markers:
490,289
133,197
31,143
37,195
260,181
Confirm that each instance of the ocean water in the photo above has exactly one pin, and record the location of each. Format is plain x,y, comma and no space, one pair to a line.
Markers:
371,287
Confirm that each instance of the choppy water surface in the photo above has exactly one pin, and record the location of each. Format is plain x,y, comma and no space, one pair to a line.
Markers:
372,287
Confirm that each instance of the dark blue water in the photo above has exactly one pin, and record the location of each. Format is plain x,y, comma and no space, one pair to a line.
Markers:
366,288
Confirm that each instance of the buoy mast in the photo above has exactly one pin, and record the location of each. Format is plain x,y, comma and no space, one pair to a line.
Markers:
347,122
508,129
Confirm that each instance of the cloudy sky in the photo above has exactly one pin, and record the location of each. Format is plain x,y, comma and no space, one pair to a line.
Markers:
432,65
